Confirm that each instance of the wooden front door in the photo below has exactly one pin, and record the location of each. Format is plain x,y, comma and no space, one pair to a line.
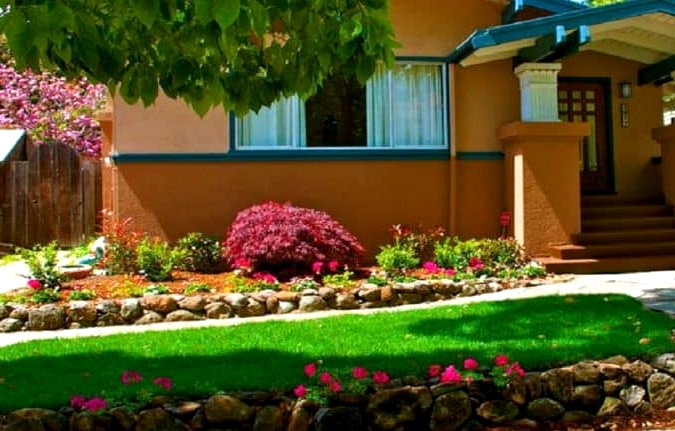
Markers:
586,101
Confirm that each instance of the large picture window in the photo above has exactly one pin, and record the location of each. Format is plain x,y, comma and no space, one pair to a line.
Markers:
401,108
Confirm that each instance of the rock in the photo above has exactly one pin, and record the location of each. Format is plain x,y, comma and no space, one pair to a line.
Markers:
252,308
272,304
19,312
586,372
610,371
587,396
82,312
162,304
192,303
534,384
346,301
123,417
269,418
286,307
386,293
109,319
369,292
131,309
392,408
47,317
559,384
498,411
447,288
543,409
51,420
10,325
516,391
468,290
150,317
661,390
236,300
4,311
638,370
218,310
327,293
613,386
416,287
310,303
182,316
158,419
224,408
644,408
450,411
616,360
576,416
612,407
301,416
285,295
664,362
86,421
339,418
632,395
25,424
410,298
184,408
108,306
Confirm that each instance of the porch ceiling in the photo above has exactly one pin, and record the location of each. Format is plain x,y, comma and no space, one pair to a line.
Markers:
642,31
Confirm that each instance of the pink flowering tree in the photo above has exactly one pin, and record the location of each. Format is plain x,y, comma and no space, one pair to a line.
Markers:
50,108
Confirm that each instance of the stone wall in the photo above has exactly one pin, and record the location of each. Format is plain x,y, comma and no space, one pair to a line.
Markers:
575,393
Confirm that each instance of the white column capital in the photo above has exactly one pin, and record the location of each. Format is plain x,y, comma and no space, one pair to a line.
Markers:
538,91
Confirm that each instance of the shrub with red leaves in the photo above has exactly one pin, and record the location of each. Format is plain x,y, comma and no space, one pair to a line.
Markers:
285,239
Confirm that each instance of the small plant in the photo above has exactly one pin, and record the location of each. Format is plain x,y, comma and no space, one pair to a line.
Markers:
128,288
341,280
44,296
264,281
396,259
196,287
453,253
533,270
299,284
156,289
41,261
121,243
82,295
155,259
199,253
377,280
501,372
419,239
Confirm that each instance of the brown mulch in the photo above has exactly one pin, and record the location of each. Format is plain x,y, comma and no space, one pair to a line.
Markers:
656,421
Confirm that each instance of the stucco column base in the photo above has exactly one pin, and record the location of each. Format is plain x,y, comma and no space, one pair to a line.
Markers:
541,168
665,136
108,170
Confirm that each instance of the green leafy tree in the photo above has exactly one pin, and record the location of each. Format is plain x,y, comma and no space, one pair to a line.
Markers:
241,54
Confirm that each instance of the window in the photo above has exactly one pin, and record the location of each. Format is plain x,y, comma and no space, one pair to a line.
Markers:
402,108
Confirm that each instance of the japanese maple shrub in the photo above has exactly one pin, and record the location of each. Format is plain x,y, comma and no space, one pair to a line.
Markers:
286,240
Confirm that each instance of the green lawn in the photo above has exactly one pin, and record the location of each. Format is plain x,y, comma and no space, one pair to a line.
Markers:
539,332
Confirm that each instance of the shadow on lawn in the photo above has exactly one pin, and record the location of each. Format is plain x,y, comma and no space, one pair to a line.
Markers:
532,331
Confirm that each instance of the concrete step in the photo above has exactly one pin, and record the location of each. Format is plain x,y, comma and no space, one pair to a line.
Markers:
594,251
624,236
610,200
608,265
626,211
626,223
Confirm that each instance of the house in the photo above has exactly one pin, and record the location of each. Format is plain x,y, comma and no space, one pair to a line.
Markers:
549,110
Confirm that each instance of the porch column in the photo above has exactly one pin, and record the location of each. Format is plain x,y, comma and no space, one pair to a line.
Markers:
541,167
108,171
665,136
538,91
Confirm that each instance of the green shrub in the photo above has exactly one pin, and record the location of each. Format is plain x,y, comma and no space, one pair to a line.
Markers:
199,253
453,253
82,295
156,289
501,253
397,258
155,259
121,244
43,296
421,240
341,280
377,280
299,284
41,261
196,287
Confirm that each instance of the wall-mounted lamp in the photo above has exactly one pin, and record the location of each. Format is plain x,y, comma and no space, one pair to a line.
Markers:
625,90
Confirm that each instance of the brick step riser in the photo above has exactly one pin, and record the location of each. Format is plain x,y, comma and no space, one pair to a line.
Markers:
601,238
637,223
613,265
626,212
590,201
615,250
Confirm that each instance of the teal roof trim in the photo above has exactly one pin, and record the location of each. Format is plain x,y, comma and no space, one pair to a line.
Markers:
538,27
554,6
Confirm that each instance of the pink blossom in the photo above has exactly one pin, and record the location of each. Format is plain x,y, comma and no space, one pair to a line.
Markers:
450,272
359,373
476,263
77,401
317,267
242,263
501,360
164,382
380,378
300,391
515,368
333,265
470,364
265,277
310,369
431,267
34,284
129,377
325,378
95,404
435,370
335,386
451,375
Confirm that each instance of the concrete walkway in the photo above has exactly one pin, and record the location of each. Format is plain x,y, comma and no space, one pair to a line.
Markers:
655,289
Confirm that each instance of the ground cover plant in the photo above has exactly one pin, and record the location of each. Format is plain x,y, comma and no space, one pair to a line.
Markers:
538,333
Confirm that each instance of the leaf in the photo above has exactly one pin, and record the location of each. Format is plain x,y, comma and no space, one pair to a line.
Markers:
259,17
149,89
365,69
350,30
147,11
226,12
204,11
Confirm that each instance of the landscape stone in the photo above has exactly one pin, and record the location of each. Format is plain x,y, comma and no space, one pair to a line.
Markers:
109,319
182,316
124,418
450,411
47,317
286,307
310,303
392,408
587,396
19,312
661,390
611,407
108,306
193,303
664,362
82,312
269,418
131,309
150,317
346,301
586,372
638,370
224,408
498,411
543,409
632,395
162,304
10,325
339,418
218,310
559,384
251,308
158,419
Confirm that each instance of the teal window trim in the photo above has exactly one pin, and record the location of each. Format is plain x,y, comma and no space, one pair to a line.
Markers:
351,153
480,155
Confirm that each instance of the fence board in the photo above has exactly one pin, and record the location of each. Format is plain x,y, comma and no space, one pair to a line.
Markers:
18,198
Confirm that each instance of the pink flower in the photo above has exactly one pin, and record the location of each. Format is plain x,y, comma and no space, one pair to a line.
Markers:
34,284
335,386
470,364
359,373
300,391
450,272
333,265
95,404
325,378
476,263
380,378
77,401
515,368
129,377
310,369
317,267
469,379
265,276
501,360
164,382
435,370
431,267
451,375
242,263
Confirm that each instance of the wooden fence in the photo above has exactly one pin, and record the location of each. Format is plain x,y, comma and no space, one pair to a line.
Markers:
52,196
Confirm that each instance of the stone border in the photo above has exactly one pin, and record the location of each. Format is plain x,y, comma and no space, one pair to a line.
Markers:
149,309
574,393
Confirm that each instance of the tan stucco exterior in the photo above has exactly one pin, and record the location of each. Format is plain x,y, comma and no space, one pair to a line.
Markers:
464,195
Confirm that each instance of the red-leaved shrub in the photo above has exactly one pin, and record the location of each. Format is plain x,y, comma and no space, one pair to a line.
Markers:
285,239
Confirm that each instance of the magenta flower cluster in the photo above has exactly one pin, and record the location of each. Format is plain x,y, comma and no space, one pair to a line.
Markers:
502,370
50,108
327,383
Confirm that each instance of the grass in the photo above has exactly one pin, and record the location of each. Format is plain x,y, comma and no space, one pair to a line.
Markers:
539,333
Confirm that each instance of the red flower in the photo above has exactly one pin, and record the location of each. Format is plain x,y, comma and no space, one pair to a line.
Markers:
501,360
333,265
451,375
310,369
515,368
317,267
359,373
95,404
325,378
34,284
300,391
435,370
129,377
164,382
450,272
470,364
335,386
380,378
242,263
476,263
77,401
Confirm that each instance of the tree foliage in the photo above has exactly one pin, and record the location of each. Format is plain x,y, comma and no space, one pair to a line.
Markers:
242,54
